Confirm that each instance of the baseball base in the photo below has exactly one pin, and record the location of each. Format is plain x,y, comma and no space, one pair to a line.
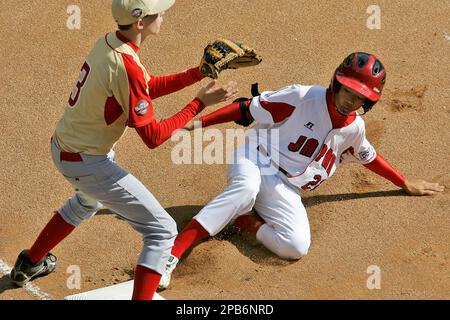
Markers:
122,291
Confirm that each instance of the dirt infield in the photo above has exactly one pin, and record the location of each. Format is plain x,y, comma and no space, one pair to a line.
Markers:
357,219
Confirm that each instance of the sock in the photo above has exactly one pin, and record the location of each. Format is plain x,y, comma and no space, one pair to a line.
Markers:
191,235
54,232
248,223
146,282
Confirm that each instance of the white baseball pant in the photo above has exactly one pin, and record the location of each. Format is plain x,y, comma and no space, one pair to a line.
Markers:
286,231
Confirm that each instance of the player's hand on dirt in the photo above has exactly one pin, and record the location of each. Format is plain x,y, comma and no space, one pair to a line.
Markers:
421,188
214,93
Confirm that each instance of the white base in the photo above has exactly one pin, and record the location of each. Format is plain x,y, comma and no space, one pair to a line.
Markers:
121,291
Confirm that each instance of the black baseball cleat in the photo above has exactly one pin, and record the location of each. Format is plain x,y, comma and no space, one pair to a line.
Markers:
24,270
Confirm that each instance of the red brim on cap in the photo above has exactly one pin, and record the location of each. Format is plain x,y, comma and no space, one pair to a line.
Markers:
358,87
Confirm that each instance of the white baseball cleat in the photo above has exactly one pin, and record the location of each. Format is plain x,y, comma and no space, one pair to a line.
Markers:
170,266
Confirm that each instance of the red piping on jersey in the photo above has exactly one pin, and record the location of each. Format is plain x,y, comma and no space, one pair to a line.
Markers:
279,110
113,110
384,169
154,133
338,120
122,38
138,93
137,85
106,40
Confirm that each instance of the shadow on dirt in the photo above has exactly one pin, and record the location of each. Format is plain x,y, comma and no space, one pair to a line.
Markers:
316,200
6,284
181,214
247,245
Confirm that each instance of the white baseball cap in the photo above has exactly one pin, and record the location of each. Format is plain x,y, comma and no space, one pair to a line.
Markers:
127,12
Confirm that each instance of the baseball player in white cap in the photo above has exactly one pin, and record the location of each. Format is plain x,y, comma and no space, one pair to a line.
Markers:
114,91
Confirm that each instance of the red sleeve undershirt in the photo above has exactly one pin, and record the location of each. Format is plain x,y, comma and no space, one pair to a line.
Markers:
231,112
384,169
155,133
152,132
161,86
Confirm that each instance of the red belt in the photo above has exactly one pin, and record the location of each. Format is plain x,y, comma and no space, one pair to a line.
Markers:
69,156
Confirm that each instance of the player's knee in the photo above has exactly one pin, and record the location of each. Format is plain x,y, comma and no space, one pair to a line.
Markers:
296,248
78,209
161,230
159,236
300,248
167,229
171,226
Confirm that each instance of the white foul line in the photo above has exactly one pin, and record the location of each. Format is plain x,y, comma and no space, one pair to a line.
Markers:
31,288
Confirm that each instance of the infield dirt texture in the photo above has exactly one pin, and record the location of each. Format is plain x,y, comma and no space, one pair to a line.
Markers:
357,219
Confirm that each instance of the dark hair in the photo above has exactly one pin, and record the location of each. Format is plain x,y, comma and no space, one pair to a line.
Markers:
125,27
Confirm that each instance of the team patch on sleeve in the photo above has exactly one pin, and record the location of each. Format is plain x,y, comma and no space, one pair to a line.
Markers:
364,155
367,155
141,108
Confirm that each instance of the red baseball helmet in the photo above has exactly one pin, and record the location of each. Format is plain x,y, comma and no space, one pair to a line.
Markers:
363,73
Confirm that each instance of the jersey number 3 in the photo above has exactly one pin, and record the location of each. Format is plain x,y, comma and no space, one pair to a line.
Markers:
75,95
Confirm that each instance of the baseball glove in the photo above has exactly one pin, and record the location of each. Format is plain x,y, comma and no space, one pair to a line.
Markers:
224,54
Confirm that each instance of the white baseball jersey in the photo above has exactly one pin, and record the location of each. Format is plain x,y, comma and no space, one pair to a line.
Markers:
313,137
299,129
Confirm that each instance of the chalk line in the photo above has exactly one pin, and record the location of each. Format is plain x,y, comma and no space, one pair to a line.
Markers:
31,288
